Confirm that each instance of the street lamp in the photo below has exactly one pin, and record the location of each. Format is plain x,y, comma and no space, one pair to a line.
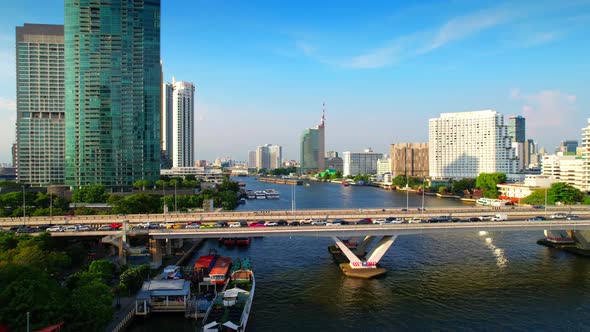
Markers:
545,202
175,205
423,188
24,206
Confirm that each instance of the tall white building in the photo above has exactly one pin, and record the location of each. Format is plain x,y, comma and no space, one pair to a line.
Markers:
585,183
166,120
568,169
269,156
183,124
463,145
356,163
252,159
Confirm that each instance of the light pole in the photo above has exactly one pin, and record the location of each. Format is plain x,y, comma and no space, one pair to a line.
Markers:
175,205
407,195
164,204
423,188
545,202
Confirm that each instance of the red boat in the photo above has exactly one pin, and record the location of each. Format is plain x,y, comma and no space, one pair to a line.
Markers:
229,241
218,273
243,241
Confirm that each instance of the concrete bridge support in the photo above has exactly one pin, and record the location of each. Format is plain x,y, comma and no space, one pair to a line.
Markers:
156,253
365,267
582,239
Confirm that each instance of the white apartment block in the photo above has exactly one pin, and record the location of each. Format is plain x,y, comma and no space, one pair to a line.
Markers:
585,183
383,166
568,169
269,156
463,145
183,124
356,163
522,190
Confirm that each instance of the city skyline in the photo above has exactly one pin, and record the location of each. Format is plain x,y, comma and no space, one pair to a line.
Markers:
383,71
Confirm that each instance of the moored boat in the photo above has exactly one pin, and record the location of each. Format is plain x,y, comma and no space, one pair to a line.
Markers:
218,273
250,194
260,194
271,194
231,308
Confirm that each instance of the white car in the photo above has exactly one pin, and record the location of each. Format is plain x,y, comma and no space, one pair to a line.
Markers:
400,221
71,228
193,226
416,221
234,225
559,216
84,228
56,229
306,221
271,224
319,223
167,225
379,221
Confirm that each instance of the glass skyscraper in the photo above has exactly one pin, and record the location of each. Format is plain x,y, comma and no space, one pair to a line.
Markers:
112,100
40,121
312,148
516,129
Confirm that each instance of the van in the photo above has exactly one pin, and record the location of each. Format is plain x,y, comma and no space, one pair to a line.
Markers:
500,217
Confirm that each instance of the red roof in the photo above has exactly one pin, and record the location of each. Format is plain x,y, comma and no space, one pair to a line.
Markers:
204,262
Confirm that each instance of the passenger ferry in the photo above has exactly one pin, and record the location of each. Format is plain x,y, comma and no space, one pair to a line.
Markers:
231,308
260,194
490,202
271,194
250,194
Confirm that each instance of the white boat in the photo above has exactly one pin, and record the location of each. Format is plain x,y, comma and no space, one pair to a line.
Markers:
490,202
260,194
271,194
231,308
251,194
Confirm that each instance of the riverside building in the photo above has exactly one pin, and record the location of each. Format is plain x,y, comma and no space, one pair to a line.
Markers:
356,163
113,92
313,147
410,159
464,145
40,119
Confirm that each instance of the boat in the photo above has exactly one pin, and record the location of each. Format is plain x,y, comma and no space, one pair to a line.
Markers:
231,308
271,194
202,267
171,272
345,183
250,194
260,194
243,241
232,241
490,202
218,273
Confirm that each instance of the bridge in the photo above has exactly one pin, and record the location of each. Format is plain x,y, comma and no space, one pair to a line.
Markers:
352,242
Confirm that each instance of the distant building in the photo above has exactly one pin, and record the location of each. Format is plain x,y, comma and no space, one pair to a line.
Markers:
356,163
585,183
383,166
40,110
276,156
517,128
331,154
464,145
409,159
166,126
530,148
183,124
201,163
200,173
516,191
312,148
252,159
568,147
335,163
269,156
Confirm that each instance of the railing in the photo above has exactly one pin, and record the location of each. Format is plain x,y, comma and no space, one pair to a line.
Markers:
126,320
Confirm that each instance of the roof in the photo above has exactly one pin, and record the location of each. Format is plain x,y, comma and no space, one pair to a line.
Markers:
56,327
166,287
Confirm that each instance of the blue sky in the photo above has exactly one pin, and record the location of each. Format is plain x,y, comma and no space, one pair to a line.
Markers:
263,68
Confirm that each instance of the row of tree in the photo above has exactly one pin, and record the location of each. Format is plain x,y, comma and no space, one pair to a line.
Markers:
30,272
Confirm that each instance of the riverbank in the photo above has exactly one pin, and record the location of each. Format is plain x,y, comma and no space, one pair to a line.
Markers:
571,248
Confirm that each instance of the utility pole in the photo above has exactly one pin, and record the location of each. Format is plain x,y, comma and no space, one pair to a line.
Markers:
28,321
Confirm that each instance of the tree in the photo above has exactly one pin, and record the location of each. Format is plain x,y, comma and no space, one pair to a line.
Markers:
459,187
141,184
488,183
102,268
90,194
565,194
90,306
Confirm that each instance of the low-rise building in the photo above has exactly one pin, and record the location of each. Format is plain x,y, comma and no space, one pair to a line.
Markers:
200,173
516,191
356,163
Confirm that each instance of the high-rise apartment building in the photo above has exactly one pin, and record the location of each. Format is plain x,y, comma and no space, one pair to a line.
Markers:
269,156
40,118
409,159
517,128
252,159
530,148
356,163
113,91
464,145
586,158
183,124
166,120
312,148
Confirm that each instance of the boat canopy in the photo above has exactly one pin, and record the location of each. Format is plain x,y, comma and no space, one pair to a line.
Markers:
231,325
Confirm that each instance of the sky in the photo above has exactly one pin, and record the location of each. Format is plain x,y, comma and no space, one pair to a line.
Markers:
262,69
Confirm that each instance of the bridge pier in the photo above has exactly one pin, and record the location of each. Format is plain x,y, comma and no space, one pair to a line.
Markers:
156,253
366,266
582,239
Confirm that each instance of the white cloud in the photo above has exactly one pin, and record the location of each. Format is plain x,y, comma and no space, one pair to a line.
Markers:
551,114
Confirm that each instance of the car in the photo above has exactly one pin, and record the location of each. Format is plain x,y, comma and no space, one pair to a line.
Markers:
416,221
271,224
559,215
336,222
243,223
105,228
404,210
27,230
399,221
44,227
196,226
16,228
541,218
485,218
534,219
71,228
84,228
538,207
294,223
256,225
194,222
379,221
174,226
572,217
306,221
55,229
206,226
365,221
319,222
116,225
282,222
167,225
221,224
474,219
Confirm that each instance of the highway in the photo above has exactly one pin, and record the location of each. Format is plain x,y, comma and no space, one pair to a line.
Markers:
348,230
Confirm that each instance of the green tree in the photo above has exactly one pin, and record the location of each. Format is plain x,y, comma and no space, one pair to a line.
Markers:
565,194
488,183
459,187
141,184
90,306
102,268
90,194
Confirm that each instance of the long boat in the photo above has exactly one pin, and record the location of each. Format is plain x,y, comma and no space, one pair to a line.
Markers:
231,308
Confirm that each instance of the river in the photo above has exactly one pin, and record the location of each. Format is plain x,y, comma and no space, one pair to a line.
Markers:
447,282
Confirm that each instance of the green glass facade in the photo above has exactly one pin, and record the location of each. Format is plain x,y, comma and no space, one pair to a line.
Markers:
40,120
312,150
112,99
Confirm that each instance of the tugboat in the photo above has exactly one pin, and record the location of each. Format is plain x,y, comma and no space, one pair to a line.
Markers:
231,308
